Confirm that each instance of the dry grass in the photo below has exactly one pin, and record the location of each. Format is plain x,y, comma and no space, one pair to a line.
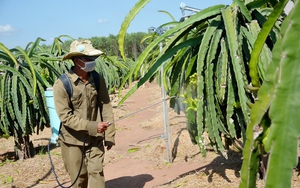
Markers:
217,172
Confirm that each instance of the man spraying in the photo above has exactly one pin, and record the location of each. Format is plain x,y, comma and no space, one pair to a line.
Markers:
85,111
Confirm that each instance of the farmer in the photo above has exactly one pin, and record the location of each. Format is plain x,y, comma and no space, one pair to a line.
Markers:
84,131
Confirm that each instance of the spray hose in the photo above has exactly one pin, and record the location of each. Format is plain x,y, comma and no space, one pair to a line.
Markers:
53,170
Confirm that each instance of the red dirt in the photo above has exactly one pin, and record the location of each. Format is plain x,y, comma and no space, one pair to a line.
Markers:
147,166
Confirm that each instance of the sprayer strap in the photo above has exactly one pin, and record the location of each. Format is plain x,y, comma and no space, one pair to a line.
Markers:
67,84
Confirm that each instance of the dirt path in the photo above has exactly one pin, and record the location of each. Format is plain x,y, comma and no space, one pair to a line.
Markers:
145,166
148,167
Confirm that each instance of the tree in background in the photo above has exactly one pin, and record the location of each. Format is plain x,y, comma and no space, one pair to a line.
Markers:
109,45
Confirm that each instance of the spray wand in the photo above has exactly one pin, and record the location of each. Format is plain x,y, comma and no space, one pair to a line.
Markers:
142,109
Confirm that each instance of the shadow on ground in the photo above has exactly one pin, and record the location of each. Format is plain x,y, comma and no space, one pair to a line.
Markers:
217,167
138,181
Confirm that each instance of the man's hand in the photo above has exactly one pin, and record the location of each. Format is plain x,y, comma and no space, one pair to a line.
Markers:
102,126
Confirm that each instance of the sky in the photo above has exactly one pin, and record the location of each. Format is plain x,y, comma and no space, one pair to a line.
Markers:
23,21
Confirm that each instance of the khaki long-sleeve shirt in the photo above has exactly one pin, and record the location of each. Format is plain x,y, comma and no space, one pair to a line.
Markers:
80,113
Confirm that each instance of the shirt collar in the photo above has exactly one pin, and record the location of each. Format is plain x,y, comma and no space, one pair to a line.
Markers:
75,77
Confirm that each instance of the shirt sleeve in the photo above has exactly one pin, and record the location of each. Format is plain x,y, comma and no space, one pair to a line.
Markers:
107,113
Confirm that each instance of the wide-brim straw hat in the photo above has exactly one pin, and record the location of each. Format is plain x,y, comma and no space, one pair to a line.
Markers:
82,48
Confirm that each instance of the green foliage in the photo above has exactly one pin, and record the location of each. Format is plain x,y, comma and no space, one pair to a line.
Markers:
261,39
6,179
131,150
110,46
114,70
133,45
214,45
276,111
25,74
139,5
226,51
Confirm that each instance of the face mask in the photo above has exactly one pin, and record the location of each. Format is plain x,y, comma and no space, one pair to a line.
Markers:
88,66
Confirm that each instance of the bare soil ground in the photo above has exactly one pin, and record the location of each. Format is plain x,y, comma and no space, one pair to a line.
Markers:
139,158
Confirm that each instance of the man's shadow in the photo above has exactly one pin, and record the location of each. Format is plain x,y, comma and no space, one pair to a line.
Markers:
137,181
219,166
